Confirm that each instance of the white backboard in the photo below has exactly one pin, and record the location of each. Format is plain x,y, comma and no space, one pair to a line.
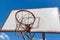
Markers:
48,22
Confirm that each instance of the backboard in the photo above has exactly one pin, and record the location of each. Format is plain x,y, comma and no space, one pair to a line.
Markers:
47,20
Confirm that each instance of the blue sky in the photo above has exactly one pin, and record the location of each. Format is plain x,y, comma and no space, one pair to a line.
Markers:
7,5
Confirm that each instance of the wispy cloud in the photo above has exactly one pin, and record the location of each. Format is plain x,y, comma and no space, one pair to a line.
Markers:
4,36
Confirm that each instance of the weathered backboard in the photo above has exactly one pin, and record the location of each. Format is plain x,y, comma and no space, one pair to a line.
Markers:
47,20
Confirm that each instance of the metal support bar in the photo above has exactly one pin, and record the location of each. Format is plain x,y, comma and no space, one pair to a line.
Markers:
22,36
43,36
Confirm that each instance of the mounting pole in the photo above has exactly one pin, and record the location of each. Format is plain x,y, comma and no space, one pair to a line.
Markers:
43,35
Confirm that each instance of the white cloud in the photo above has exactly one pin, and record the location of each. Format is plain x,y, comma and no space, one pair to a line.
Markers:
3,36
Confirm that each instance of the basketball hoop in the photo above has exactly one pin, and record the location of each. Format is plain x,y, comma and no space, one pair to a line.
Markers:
25,18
